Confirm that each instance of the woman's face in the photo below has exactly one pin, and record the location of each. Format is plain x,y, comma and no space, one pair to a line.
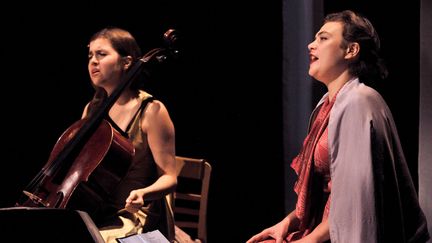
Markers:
105,65
327,56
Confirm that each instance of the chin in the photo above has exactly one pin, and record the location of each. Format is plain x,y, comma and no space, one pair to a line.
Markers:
312,74
97,82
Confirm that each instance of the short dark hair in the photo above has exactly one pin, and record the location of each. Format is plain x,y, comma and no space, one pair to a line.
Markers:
356,28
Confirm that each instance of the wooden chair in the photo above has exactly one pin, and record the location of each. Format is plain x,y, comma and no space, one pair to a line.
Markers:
190,199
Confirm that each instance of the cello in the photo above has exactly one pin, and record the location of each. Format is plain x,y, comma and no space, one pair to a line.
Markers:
84,158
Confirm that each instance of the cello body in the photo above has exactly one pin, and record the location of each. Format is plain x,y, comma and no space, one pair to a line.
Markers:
91,172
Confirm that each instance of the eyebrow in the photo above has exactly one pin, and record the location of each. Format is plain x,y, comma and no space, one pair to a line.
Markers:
99,50
322,32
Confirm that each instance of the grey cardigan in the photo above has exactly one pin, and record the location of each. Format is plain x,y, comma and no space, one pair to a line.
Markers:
373,198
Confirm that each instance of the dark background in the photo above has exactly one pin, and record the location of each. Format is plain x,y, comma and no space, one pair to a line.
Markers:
224,94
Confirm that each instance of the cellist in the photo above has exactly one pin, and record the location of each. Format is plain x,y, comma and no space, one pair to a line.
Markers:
147,123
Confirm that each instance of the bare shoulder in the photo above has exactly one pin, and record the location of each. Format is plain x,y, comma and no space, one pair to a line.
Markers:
156,107
156,115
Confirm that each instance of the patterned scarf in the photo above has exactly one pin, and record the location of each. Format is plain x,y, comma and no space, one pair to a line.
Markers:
303,166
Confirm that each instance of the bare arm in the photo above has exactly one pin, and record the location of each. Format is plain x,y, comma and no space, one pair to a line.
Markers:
161,138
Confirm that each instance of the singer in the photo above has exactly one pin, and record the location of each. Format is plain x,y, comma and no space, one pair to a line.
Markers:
139,203
353,182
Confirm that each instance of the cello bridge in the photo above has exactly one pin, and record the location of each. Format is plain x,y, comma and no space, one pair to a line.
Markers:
35,198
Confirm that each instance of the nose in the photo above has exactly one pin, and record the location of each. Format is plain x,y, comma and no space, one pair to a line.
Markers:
311,45
92,60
